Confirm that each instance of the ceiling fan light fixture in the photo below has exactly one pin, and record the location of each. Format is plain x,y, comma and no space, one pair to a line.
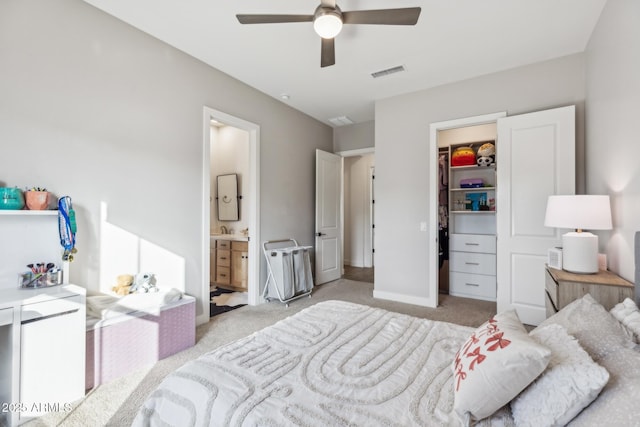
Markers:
327,23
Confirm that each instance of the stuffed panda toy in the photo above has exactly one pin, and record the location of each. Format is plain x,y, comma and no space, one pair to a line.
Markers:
486,154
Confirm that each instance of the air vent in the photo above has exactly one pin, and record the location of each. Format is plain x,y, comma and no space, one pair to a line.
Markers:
341,121
388,71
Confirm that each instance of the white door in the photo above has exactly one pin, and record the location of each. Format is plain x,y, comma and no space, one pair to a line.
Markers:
328,217
535,154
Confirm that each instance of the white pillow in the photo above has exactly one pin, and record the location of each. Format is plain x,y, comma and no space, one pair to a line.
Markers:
628,314
597,331
495,364
570,383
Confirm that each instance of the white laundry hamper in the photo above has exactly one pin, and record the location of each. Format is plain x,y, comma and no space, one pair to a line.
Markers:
289,268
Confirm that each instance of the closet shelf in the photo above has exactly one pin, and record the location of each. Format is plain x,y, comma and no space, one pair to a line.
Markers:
476,189
472,212
491,166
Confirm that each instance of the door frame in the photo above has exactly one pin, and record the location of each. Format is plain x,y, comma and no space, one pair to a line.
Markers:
253,130
432,249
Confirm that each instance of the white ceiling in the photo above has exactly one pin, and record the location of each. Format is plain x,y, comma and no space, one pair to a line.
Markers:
453,40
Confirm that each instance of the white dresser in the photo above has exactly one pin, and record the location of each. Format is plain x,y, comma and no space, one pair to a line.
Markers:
472,266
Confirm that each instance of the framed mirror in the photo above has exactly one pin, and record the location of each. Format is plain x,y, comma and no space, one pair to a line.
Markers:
227,197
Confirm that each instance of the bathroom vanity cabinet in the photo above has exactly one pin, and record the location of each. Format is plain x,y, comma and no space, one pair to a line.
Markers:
229,266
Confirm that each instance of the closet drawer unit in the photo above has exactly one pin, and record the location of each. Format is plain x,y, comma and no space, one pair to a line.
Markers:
484,243
223,258
223,275
472,286
471,262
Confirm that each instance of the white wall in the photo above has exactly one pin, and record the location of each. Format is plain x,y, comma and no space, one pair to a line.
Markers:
354,137
613,108
98,110
403,157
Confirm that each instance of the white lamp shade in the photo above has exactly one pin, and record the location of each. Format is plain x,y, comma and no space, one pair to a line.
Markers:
327,25
587,212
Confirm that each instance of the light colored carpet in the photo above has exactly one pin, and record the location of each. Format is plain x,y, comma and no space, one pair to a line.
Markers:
116,403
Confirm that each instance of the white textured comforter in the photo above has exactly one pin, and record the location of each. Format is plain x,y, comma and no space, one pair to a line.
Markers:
334,363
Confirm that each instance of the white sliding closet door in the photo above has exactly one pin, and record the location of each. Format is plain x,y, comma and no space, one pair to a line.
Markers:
536,158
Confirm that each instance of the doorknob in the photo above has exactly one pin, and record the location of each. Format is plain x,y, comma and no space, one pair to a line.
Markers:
320,234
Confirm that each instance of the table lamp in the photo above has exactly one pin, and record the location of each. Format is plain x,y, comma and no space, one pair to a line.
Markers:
579,212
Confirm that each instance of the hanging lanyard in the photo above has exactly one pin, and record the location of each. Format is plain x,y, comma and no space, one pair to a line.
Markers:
67,227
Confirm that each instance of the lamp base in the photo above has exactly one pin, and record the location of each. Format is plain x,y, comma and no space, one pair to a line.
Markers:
580,252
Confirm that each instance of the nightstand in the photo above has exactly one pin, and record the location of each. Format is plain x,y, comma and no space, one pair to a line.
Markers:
605,287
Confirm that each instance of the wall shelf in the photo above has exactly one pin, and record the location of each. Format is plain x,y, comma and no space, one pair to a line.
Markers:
26,212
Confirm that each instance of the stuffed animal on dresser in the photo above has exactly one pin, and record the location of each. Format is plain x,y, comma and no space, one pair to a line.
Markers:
123,284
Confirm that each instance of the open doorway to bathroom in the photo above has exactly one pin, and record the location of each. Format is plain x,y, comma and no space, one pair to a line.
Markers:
229,224
230,219
358,215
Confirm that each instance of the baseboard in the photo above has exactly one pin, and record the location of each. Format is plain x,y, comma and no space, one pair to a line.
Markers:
353,264
203,318
407,299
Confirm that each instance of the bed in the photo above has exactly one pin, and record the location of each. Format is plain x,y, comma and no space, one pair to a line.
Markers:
338,363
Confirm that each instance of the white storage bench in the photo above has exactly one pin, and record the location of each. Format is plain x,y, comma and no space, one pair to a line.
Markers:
121,343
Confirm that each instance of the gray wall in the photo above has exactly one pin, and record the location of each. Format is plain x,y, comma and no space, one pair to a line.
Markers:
403,157
613,109
354,137
95,109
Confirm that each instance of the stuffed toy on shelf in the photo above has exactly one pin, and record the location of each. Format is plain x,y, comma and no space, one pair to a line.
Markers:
486,154
463,156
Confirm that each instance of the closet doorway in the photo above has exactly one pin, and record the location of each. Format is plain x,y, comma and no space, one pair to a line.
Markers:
443,135
358,214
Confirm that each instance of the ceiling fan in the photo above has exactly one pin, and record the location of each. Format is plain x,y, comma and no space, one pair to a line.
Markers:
328,20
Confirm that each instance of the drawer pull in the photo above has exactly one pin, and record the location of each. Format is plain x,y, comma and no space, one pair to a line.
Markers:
472,263
223,257
472,284
472,244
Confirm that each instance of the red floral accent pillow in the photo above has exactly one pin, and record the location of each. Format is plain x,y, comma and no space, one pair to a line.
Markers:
495,364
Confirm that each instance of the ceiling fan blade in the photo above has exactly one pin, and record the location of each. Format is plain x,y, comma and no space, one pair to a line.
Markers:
328,53
402,16
273,19
328,3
